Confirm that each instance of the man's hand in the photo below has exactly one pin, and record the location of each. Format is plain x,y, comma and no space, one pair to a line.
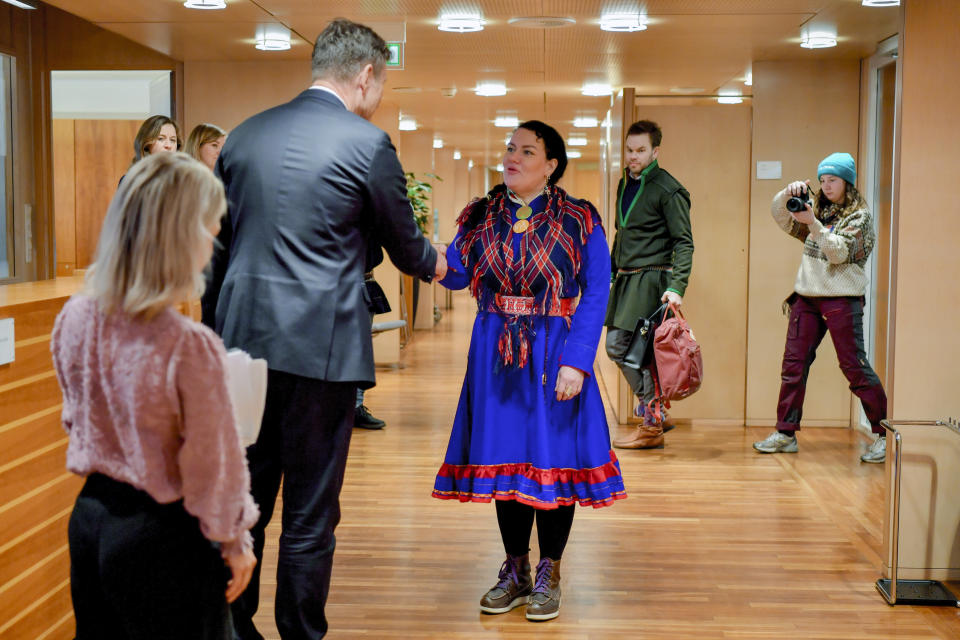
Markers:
441,270
569,382
672,297
241,568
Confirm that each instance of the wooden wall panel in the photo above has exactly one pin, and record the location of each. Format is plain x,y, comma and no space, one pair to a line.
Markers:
707,148
924,372
36,490
64,197
802,111
104,149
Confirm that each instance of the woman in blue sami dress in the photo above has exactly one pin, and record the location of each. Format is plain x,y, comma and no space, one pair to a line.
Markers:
530,430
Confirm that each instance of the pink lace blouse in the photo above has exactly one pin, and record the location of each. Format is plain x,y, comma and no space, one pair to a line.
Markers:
146,403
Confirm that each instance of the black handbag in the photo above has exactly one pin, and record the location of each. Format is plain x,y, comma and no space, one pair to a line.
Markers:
640,352
376,299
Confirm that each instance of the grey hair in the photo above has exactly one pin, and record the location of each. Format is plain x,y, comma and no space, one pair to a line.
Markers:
344,48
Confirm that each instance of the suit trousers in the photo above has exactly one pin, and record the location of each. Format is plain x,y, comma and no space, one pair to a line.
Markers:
142,570
303,441
810,318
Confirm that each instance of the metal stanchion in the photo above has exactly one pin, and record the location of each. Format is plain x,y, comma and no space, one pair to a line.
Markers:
914,592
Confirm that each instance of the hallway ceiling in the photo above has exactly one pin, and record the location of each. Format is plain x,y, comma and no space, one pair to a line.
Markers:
703,44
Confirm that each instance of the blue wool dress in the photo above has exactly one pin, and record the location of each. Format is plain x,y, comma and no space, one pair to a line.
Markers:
511,438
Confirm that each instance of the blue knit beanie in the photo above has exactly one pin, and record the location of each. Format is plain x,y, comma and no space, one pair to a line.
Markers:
840,165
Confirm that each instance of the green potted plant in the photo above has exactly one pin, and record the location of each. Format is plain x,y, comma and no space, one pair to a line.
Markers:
418,193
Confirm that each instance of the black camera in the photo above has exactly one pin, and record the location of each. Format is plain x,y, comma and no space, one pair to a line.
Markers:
798,203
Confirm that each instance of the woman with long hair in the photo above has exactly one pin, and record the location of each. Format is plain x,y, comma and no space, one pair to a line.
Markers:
204,143
166,504
157,133
836,230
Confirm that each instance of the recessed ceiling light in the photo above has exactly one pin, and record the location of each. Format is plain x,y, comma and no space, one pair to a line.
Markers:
506,121
488,89
881,3
730,98
585,122
623,22
438,143
500,167
456,154
407,124
25,4
573,154
818,40
205,4
469,164
461,22
596,89
273,37
748,81
577,141
541,22
686,90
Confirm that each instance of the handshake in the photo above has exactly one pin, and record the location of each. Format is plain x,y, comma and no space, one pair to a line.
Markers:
441,269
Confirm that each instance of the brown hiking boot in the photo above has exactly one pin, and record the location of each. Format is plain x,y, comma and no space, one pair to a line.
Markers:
513,589
545,599
642,437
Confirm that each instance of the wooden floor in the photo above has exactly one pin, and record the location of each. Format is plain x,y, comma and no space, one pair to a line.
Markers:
714,541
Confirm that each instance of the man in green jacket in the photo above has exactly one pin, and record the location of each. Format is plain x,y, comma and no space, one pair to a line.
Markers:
651,259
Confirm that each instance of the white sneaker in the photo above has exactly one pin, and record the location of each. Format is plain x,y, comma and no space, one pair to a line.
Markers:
876,452
777,442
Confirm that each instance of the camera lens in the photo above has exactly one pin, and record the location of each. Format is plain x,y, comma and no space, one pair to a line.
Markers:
795,204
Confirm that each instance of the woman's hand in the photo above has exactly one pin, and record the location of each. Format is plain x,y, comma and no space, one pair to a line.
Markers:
569,382
801,189
241,567
672,297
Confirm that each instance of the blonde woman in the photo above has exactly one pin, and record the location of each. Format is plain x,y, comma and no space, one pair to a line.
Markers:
166,501
204,143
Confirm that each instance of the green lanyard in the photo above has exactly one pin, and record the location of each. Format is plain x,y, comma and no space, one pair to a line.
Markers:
643,181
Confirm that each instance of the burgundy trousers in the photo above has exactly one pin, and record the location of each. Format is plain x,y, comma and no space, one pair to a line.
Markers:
810,318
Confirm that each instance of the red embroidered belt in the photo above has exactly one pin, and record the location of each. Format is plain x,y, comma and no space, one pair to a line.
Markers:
524,306
655,267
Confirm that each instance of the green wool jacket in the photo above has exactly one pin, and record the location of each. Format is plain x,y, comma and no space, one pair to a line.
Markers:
657,234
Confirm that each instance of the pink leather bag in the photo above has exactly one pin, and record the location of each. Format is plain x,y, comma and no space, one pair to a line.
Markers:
679,363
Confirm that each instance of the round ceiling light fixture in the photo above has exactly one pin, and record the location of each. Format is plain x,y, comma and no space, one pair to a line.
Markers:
573,153
273,37
461,22
407,124
818,40
623,22
205,4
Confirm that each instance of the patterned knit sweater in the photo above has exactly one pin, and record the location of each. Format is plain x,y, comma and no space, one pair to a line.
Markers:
835,248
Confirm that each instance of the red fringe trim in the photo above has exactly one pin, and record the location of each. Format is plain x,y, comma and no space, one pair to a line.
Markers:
528,500
540,476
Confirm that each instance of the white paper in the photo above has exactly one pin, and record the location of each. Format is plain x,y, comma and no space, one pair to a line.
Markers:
247,385
768,170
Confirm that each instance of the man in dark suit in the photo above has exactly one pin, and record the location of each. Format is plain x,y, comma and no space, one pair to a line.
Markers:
310,184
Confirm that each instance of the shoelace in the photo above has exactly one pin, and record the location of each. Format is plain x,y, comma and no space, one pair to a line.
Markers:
507,572
544,573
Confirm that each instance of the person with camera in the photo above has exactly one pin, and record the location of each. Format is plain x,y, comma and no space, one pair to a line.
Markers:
836,229
651,260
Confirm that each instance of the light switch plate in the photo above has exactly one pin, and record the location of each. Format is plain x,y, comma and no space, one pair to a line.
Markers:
6,341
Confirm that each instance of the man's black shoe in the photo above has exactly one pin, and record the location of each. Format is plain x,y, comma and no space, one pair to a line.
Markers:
364,420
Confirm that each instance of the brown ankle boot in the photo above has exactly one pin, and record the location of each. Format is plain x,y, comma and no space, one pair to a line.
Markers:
545,599
514,586
642,437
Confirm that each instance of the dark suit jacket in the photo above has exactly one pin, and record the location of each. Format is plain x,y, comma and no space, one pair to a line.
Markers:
310,186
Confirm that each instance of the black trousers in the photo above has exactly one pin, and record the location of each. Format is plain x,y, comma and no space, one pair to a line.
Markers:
303,441
142,570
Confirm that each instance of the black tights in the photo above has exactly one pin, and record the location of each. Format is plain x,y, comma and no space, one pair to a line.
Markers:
516,524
